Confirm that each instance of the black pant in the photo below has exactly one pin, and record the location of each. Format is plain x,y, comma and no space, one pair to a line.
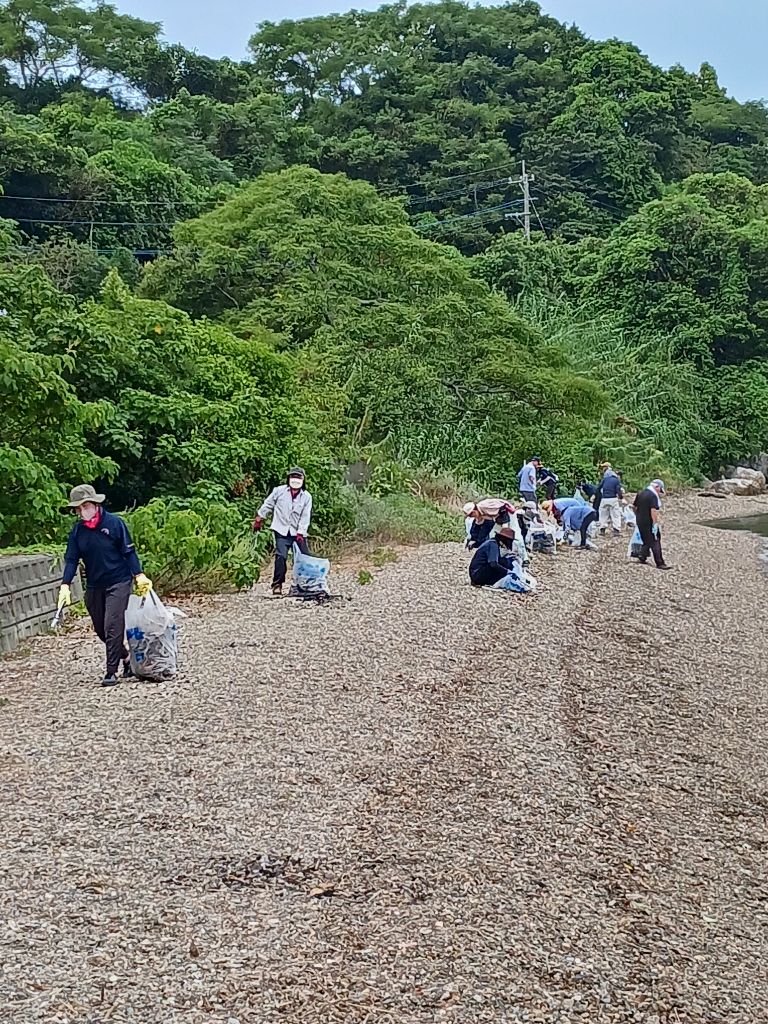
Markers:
589,518
551,487
106,606
651,544
488,575
283,547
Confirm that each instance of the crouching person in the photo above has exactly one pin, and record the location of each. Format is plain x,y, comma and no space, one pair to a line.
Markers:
102,542
493,559
290,506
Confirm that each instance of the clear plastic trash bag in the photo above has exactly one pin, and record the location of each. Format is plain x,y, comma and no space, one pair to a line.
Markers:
635,544
151,632
310,574
629,516
518,581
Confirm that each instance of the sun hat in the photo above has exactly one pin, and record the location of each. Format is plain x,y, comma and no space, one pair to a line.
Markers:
469,508
297,471
83,493
506,531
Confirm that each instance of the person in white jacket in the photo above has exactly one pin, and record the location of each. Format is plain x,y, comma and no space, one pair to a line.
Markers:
290,506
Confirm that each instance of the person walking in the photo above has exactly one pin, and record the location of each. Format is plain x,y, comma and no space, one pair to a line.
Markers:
647,506
527,480
102,542
611,493
579,517
290,506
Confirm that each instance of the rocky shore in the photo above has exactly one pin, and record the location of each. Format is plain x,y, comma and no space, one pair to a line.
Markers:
425,803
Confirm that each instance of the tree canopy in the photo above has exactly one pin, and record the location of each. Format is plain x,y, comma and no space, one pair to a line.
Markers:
211,268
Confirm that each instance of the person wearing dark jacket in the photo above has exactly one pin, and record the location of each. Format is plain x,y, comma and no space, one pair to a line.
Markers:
549,480
102,542
647,505
492,560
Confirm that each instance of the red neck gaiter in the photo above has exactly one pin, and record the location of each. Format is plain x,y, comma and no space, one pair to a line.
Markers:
93,523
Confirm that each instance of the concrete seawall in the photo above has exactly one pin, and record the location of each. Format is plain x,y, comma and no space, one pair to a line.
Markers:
29,586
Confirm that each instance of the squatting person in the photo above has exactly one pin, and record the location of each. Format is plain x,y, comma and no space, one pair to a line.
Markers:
102,542
290,506
493,559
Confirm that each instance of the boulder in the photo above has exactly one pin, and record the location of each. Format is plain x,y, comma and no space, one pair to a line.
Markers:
753,475
736,486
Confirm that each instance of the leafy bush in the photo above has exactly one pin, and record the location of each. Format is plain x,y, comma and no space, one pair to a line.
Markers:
195,545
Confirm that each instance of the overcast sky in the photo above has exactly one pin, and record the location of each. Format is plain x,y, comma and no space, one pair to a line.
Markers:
730,34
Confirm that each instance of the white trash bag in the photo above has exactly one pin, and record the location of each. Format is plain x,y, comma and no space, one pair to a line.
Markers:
151,631
310,574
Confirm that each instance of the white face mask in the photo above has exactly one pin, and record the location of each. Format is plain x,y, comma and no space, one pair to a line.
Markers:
295,483
87,511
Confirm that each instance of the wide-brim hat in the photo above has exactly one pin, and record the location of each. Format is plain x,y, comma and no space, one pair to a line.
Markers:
83,493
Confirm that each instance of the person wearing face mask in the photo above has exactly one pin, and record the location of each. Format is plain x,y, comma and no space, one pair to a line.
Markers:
290,506
102,542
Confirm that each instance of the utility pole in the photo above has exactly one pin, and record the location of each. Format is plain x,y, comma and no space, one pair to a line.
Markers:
524,181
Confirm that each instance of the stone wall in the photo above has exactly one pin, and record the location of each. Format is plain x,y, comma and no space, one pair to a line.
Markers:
29,590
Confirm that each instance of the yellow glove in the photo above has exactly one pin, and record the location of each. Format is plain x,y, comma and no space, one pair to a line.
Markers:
65,596
143,585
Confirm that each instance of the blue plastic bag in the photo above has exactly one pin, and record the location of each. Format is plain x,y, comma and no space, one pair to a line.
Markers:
310,574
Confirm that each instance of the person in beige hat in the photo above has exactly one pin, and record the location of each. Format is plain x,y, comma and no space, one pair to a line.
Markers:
102,542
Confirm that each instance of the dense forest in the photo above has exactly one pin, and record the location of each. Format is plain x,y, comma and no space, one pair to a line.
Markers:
210,270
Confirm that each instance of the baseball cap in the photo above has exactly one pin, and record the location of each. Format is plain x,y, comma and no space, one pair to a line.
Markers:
659,485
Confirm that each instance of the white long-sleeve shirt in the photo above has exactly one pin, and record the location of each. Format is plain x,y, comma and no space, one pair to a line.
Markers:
289,514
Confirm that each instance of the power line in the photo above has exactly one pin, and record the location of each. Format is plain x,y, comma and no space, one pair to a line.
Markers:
451,177
95,223
538,218
574,187
466,216
114,202
464,190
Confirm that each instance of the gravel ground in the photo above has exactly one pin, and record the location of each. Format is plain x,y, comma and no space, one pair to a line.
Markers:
424,804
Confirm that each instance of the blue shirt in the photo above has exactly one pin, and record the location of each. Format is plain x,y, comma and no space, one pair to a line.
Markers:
107,552
561,504
611,485
576,515
527,477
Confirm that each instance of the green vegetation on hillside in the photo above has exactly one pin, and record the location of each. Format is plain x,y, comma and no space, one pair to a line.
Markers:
210,270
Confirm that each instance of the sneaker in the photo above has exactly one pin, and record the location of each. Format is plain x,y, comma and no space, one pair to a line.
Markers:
110,680
602,531
127,670
666,567
617,533
277,590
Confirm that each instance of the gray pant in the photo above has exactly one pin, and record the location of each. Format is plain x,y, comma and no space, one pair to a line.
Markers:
106,606
530,496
